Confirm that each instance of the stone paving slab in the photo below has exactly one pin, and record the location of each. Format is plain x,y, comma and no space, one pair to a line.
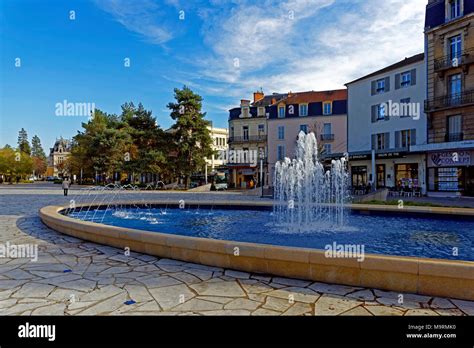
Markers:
74,277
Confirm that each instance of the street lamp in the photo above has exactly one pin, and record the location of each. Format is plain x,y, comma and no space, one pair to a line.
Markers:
262,156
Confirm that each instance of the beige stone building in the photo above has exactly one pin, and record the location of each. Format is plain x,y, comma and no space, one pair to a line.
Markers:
58,154
449,36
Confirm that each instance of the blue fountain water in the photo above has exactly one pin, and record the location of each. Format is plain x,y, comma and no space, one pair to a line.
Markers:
387,234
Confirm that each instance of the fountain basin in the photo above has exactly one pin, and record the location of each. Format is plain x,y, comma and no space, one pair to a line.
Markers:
434,277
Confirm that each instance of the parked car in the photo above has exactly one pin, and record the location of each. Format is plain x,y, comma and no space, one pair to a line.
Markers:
221,186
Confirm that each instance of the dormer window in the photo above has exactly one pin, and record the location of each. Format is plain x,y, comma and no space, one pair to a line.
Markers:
327,108
303,109
245,112
261,111
281,111
454,9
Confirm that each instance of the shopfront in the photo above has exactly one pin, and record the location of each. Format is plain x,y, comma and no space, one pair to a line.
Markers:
393,170
451,172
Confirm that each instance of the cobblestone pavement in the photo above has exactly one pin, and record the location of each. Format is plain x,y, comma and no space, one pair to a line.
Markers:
76,277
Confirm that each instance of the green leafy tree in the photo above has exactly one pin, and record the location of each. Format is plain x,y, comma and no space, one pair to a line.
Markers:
148,151
23,143
192,139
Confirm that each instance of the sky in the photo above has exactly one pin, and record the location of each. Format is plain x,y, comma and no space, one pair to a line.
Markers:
108,52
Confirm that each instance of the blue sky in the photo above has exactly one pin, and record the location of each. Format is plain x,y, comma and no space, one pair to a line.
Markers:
222,49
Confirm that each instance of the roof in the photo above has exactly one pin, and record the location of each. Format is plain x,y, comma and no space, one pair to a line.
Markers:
407,61
315,97
267,100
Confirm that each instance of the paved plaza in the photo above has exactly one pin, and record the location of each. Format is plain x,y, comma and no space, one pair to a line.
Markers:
74,277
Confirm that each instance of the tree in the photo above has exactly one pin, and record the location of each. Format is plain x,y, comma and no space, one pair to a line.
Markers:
36,148
23,144
148,151
39,157
191,135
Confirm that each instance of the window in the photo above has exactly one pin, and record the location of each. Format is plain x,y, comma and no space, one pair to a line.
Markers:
406,175
231,132
245,132
281,112
381,111
327,149
405,79
380,86
454,9
261,129
455,89
327,108
405,140
245,112
261,111
455,47
380,141
303,109
281,152
281,133
327,129
304,128
454,128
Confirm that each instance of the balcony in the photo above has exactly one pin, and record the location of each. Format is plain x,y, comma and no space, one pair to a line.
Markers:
327,137
248,139
450,101
465,58
451,137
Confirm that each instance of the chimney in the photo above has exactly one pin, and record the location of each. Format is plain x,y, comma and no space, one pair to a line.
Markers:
257,96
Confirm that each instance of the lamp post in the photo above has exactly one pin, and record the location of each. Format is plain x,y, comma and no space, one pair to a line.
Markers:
262,155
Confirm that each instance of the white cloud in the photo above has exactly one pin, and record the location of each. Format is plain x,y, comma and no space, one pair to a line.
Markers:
324,48
143,17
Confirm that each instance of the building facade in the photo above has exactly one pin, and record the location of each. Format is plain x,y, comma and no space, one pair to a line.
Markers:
58,154
385,120
219,144
323,113
449,45
248,141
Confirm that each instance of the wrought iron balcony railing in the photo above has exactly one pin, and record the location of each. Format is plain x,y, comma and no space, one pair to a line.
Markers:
449,101
327,137
248,139
450,137
454,61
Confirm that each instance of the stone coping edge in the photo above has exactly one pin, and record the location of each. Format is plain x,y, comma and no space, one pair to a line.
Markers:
433,277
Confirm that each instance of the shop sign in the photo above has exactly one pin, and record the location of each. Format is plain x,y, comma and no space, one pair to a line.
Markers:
449,159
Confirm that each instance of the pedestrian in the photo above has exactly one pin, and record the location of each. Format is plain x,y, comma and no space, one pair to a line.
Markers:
66,184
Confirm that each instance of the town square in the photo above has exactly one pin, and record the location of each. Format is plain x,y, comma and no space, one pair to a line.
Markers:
308,160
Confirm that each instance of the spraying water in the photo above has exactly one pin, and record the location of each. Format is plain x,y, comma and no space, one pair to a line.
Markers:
308,198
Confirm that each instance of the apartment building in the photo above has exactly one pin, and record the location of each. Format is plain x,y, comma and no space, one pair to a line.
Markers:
219,144
385,120
248,140
323,113
449,45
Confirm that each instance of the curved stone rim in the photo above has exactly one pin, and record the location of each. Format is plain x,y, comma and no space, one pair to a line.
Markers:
434,277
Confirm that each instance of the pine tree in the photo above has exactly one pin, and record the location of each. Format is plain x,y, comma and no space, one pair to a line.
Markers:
23,144
191,135
36,148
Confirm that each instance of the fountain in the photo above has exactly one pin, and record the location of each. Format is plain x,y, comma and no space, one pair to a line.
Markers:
308,197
